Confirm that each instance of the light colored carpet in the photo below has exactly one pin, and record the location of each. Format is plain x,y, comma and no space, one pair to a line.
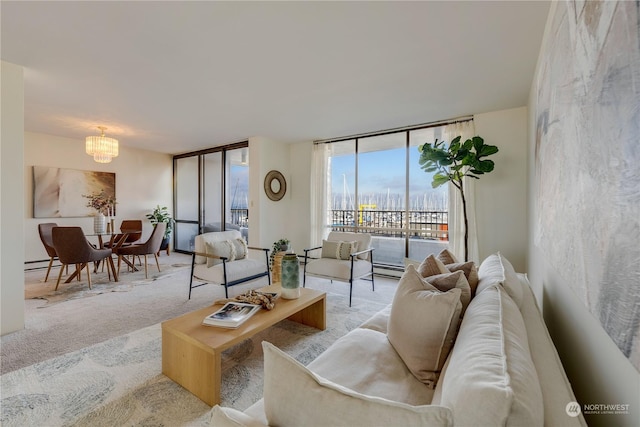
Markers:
119,381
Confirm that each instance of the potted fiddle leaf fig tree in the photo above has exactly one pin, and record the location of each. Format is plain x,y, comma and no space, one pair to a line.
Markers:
451,163
161,214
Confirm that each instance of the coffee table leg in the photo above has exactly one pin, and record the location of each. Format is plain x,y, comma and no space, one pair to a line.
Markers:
194,368
314,315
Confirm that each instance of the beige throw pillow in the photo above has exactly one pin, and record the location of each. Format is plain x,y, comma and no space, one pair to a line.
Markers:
423,324
431,266
447,281
329,249
345,249
222,248
470,272
447,257
295,396
240,248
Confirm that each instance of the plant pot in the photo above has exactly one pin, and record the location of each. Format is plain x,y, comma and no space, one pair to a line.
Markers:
165,243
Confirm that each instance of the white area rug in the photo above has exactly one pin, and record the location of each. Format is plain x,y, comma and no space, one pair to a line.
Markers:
119,381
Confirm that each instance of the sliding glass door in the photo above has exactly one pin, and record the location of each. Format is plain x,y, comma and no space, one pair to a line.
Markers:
211,193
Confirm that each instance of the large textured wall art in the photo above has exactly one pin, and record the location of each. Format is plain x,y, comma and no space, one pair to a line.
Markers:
59,192
588,161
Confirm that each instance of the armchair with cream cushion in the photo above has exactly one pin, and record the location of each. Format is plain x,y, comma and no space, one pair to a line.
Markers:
344,257
223,257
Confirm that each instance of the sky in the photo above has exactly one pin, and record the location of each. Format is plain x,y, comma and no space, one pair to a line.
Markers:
383,172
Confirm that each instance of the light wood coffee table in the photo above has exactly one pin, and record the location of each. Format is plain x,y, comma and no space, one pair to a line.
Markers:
191,352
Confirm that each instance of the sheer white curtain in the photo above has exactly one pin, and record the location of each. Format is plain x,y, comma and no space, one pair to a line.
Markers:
320,178
456,216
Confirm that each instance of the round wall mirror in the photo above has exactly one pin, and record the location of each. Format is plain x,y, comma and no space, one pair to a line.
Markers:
275,185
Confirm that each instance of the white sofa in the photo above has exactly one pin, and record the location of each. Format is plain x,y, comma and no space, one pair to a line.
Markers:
502,370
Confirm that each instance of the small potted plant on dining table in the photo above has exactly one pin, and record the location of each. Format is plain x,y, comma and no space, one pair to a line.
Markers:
161,214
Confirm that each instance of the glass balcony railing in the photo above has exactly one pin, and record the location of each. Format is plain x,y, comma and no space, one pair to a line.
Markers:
396,235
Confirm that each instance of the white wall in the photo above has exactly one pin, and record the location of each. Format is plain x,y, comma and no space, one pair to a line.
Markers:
11,199
268,220
501,198
144,179
598,371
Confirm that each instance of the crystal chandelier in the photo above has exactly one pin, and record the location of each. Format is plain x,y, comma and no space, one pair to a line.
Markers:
101,147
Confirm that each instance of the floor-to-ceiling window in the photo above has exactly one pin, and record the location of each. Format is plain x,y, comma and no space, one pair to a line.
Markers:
377,186
211,193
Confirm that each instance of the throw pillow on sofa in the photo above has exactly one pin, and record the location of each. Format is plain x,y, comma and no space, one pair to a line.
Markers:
447,257
431,266
307,399
470,272
447,281
423,324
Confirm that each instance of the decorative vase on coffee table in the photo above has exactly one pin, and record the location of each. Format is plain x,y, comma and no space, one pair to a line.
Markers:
99,223
290,272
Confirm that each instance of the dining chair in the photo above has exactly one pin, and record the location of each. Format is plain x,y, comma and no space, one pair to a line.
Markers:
44,230
133,228
151,246
72,247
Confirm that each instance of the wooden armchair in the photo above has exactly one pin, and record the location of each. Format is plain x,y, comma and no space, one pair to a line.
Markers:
344,257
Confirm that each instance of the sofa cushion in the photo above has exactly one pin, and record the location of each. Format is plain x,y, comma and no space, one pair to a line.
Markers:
384,375
491,379
338,268
447,281
224,249
423,325
497,269
229,417
447,257
307,399
431,266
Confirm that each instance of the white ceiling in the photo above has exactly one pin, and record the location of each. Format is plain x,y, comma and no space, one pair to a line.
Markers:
180,76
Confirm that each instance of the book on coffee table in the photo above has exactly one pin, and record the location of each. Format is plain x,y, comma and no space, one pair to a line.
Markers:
231,315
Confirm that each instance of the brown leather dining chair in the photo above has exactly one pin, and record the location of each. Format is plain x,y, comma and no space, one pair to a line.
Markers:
72,247
151,246
133,227
44,230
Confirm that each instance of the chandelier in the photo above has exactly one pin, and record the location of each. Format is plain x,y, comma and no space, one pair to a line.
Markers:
102,148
